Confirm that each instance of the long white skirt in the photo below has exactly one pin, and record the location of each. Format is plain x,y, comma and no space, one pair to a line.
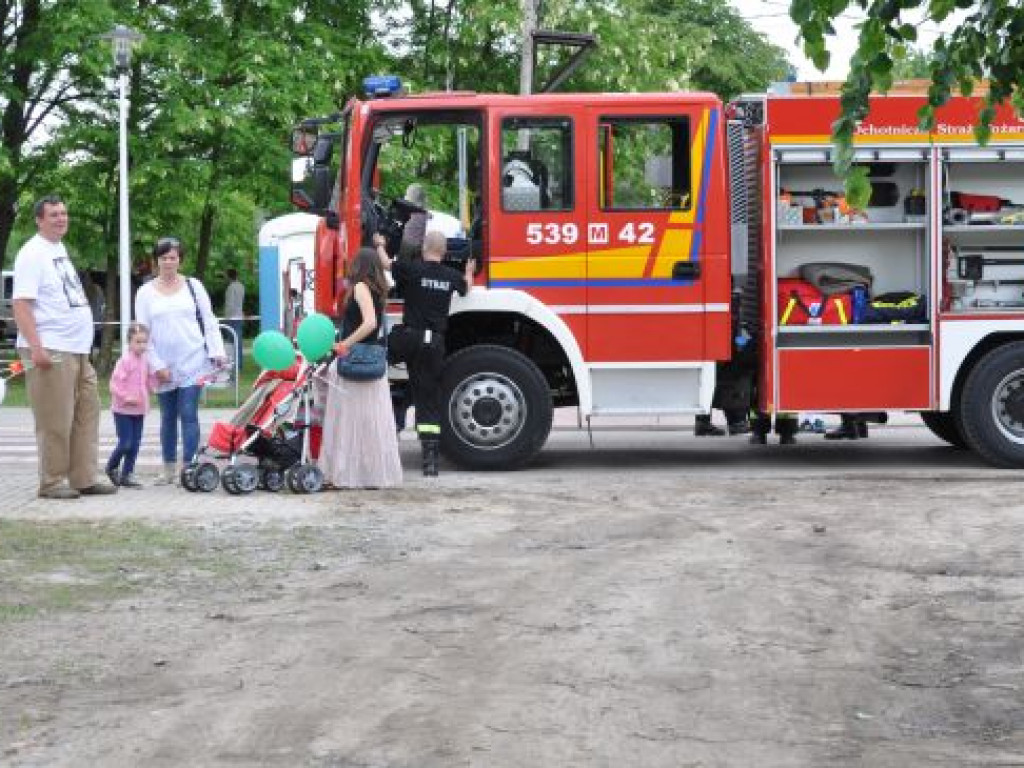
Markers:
360,443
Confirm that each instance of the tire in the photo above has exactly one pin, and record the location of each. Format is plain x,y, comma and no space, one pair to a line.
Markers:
943,425
246,478
991,414
273,480
207,477
311,480
188,478
496,408
293,478
227,480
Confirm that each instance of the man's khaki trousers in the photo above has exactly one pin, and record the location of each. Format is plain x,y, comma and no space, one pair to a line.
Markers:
66,408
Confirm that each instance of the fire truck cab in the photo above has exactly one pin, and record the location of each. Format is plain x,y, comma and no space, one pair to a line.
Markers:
632,249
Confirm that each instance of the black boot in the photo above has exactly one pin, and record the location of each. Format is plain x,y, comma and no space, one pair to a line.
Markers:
737,421
702,427
430,457
760,426
786,428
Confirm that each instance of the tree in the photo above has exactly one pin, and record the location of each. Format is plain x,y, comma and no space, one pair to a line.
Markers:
913,66
48,62
989,42
215,87
737,60
643,45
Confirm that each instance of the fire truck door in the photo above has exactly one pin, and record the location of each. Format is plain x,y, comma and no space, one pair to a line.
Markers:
645,207
536,237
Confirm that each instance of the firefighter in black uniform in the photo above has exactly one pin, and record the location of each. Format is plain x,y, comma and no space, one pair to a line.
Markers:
427,287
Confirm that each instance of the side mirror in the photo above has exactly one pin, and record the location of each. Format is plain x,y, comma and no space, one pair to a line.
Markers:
304,138
322,150
321,187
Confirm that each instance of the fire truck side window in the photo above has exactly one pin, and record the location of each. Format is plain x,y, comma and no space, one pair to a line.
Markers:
536,173
645,163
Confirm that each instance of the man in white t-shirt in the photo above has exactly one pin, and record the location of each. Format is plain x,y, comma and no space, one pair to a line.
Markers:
234,311
54,339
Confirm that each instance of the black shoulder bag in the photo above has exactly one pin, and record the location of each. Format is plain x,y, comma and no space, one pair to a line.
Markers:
366,362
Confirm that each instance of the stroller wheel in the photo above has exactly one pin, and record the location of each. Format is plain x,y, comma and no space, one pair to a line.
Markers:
246,477
293,477
312,479
272,480
188,478
207,477
228,478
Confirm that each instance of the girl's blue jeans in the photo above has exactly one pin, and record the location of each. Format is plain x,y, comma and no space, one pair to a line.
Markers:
182,405
129,438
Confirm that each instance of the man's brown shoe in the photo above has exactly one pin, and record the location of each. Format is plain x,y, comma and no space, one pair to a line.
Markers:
59,492
98,489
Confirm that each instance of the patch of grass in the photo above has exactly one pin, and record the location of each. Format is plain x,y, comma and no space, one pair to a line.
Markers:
64,566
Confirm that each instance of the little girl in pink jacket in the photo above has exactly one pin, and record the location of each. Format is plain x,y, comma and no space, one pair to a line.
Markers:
131,384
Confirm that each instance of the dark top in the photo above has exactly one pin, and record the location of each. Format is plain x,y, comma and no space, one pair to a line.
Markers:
353,318
427,287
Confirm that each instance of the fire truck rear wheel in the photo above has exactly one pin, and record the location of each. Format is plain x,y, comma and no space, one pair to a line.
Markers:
496,408
992,407
943,425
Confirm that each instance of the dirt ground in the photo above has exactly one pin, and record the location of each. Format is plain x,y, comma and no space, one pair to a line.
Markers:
647,604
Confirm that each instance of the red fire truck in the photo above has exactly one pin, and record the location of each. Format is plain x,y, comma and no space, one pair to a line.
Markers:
636,252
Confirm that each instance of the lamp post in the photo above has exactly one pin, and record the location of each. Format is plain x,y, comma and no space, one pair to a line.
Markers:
122,39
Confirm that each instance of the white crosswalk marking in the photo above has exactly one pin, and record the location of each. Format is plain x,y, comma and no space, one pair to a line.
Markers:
18,441
18,447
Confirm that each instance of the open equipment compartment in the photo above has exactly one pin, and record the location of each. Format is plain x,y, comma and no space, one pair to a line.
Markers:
982,229
837,361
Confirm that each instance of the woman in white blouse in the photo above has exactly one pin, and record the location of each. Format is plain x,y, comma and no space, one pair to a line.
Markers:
185,346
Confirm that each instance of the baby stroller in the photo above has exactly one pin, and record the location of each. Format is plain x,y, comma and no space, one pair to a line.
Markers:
273,426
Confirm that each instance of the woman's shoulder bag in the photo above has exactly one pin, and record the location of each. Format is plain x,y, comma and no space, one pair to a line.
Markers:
366,361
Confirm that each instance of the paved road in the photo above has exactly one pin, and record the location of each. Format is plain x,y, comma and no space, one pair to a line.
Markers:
659,446
658,601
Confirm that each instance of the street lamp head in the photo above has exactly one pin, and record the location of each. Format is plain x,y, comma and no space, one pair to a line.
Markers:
123,39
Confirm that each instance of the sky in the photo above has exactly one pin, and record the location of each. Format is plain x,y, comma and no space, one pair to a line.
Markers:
772,18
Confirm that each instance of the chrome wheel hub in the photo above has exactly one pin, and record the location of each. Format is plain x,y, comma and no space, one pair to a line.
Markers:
487,410
1008,406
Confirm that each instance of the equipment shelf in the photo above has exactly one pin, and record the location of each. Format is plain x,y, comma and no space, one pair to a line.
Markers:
873,328
866,227
980,229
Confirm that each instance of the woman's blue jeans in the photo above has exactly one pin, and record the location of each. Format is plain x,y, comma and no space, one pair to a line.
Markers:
180,404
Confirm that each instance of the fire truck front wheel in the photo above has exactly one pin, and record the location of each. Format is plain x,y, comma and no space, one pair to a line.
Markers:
497,408
992,407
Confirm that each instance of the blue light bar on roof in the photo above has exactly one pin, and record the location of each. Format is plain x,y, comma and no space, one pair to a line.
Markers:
382,86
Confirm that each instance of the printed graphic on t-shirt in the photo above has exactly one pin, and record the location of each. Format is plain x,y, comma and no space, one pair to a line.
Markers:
73,290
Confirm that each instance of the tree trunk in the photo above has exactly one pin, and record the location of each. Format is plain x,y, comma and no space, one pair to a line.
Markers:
205,239
209,214
8,213
12,124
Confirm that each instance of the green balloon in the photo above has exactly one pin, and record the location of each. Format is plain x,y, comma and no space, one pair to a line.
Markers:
273,351
315,336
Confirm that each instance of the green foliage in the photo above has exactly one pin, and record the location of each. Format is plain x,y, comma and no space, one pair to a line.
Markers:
216,84
736,58
643,45
988,43
913,63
